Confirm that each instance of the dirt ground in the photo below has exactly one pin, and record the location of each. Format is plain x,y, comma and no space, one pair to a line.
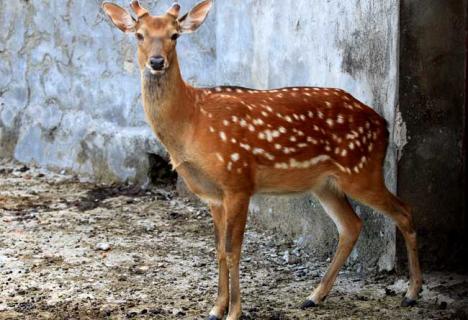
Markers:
77,250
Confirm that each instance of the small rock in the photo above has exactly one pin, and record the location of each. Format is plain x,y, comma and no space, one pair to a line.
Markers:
178,312
290,259
141,269
150,227
103,246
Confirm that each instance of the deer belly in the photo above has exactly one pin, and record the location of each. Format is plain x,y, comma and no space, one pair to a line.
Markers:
200,183
273,181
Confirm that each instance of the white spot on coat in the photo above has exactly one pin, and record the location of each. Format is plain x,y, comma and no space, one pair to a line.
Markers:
222,135
244,146
235,157
258,151
312,140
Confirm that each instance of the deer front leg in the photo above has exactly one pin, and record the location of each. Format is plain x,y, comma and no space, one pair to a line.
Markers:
235,207
222,301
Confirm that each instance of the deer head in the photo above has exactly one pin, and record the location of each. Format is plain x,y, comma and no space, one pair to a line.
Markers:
157,35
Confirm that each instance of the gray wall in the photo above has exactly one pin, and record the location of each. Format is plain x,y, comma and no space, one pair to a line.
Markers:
69,89
433,53
70,94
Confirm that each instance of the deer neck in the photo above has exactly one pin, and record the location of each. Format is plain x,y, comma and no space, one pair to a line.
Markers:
169,107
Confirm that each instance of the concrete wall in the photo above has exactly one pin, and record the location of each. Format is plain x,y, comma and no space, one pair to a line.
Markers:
70,94
432,89
69,88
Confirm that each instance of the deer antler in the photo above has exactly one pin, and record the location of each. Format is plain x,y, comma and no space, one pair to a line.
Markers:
139,10
174,10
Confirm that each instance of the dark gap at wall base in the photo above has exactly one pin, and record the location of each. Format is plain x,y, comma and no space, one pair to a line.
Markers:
433,105
160,171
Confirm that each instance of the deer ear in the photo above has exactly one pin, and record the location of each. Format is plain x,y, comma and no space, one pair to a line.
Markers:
120,17
195,17
174,10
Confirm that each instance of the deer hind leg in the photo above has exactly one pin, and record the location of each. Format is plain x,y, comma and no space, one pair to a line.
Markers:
376,195
349,226
235,208
222,300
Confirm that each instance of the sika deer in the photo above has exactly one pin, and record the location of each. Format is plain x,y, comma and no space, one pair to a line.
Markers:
229,143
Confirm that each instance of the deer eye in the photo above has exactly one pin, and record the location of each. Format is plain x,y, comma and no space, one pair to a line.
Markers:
175,36
140,37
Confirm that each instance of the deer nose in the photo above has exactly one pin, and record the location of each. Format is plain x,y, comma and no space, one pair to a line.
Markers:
156,62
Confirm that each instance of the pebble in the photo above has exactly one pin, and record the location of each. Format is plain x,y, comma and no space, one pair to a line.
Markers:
141,269
178,312
150,227
103,246
290,259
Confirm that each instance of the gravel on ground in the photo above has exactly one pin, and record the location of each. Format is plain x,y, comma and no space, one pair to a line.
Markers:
72,249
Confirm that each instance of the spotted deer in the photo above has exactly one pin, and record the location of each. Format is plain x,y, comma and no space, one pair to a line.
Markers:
229,143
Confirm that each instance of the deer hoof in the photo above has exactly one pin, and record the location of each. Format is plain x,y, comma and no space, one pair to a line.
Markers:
308,304
213,318
407,302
